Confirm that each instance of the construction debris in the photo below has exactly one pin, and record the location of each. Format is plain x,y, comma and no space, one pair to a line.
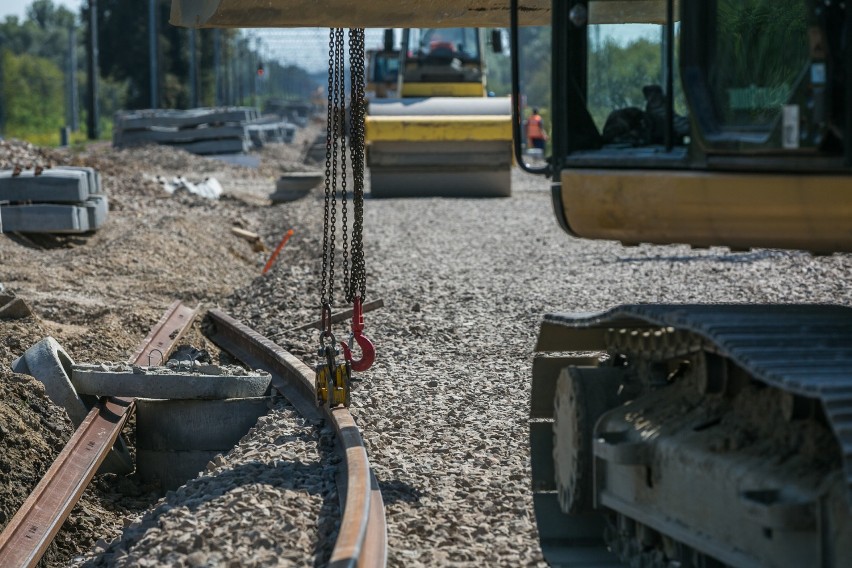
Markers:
209,187
295,185
253,238
267,129
12,307
51,200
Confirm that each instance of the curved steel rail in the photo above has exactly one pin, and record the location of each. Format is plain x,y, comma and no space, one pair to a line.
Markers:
362,540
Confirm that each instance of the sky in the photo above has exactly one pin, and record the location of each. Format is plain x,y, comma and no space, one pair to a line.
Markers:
19,7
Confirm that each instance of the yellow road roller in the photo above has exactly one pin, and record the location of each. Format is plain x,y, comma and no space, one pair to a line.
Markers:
445,137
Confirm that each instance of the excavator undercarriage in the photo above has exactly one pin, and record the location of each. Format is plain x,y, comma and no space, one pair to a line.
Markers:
694,434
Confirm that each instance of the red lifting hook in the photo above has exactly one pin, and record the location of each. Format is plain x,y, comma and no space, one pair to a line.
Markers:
368,352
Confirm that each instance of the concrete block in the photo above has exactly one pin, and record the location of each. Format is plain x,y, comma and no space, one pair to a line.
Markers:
176,136
47,362
50,364
164,382
52,185
196,424
224,146
97,208
295,185
144,119
171,468
93,176
12,307
44,218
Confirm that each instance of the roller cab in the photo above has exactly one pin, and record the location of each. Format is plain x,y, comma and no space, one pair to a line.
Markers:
705,123
382,69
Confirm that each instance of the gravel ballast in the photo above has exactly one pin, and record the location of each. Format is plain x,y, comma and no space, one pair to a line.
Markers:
465,283
444,409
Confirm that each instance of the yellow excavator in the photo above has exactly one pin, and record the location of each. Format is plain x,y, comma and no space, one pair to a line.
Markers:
444,136
679,435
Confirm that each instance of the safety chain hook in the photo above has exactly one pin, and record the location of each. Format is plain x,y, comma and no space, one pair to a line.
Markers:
368,350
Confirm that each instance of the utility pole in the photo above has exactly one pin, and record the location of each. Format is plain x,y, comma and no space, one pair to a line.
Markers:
254,63
193,69
240,68
152,51
3,106
73,102
217,65
229,63
94,116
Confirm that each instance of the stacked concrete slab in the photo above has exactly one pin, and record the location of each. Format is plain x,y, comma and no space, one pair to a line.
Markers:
297,112
55,200
268,129
200,131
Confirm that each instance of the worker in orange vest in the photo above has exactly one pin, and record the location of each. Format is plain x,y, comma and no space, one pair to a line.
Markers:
536,135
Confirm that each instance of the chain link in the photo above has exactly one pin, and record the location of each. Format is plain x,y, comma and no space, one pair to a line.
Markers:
354,273
343,189
325,288
358,103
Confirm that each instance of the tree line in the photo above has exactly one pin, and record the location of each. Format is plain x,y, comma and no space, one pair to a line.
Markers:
39,51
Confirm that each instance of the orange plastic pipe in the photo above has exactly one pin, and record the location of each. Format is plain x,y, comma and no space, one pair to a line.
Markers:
274,255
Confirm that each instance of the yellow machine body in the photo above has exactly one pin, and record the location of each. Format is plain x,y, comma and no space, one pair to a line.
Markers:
443,89
738,210
439,147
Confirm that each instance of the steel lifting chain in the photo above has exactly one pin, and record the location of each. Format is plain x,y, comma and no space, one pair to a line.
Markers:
329,225
357,286
341,85
333,379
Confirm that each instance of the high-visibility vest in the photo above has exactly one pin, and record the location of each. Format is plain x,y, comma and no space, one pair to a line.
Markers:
534,128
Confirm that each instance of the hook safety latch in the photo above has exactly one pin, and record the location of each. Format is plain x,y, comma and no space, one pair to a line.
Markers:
368,351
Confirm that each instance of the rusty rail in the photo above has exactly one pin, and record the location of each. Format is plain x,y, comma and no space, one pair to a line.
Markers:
362,540
165,335
32,529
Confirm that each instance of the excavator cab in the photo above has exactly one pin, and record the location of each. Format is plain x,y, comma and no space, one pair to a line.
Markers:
740,102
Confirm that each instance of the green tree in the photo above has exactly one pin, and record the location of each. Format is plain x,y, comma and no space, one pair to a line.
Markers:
44,33
32,94
619,71
535,66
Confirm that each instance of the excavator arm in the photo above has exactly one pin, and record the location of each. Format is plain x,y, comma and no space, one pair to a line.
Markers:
353,13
